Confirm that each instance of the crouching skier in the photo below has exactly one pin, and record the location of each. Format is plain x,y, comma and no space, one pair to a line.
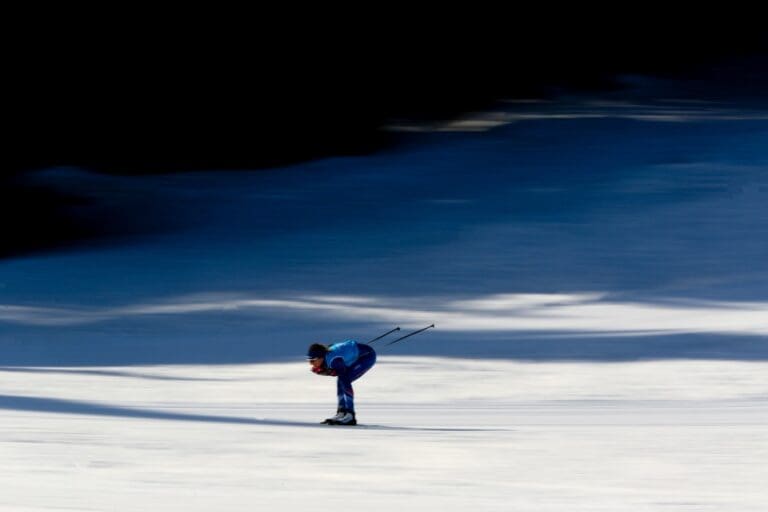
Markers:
348,361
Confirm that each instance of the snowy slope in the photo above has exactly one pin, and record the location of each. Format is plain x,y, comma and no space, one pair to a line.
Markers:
596,271
678,435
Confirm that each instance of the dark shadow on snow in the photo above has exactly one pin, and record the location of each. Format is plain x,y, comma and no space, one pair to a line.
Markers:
103,373
616,205
61,406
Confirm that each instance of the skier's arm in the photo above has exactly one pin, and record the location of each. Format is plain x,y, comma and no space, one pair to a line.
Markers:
338,366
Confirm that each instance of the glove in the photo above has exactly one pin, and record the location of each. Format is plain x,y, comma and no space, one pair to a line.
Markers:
324,370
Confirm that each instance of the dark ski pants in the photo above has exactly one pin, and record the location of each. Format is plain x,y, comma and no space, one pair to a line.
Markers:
344,391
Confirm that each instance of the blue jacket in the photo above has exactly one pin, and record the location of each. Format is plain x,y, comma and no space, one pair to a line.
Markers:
345,352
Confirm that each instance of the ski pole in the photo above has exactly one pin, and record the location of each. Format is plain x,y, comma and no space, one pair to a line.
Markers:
385,334
411,334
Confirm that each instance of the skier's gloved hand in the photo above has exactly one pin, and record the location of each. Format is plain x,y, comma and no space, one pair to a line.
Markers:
324,370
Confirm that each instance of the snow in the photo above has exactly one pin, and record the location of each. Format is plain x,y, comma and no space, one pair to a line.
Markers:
484,434
596,271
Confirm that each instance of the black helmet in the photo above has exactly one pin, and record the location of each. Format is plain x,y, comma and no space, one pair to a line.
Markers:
316,350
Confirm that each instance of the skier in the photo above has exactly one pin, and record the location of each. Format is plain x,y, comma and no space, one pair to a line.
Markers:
348,361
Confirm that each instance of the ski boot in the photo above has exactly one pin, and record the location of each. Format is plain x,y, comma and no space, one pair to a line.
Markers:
347,418
332,421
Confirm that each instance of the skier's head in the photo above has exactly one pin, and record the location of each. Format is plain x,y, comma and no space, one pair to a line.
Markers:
316,354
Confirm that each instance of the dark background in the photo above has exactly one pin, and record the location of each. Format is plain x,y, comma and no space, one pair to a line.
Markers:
179,96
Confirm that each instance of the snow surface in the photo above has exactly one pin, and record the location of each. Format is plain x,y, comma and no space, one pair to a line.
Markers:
596,271
446,434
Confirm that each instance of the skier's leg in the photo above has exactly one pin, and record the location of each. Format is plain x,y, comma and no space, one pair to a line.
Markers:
345,393
343,401
364,362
